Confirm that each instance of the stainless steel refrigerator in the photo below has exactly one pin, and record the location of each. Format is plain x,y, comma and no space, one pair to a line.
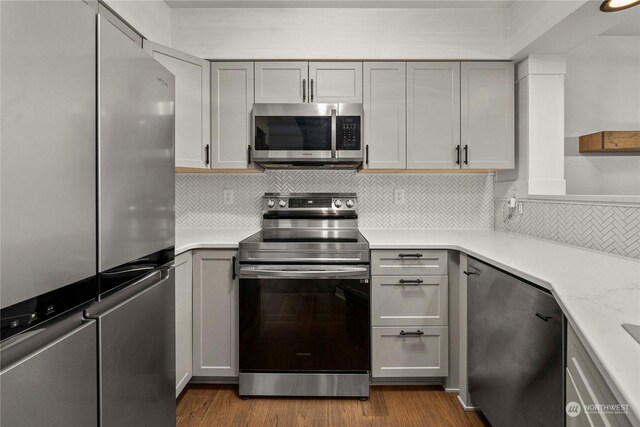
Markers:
87,222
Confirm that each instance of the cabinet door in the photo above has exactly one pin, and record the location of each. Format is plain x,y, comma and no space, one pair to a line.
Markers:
433,115
191,103
282,82
335,82
487,113
215,314
184,319
231,103
385,115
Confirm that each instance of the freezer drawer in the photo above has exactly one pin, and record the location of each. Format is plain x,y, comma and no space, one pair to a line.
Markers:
48,376
515,356
410,351
408,262
136,329
409,300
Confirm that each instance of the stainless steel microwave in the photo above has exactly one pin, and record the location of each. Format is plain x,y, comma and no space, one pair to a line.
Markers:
308,135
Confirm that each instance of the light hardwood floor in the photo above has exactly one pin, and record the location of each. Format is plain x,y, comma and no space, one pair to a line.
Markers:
219,405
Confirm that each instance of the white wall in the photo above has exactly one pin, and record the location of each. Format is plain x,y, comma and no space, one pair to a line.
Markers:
528,20
346,33
602,92
151,18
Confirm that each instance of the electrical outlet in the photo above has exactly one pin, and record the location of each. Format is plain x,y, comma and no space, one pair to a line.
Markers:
399,197
520,208
228,196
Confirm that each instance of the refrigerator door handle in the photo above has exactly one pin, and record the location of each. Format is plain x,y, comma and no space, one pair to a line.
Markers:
113,301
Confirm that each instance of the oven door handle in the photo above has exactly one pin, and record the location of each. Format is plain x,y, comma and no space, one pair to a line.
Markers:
304,272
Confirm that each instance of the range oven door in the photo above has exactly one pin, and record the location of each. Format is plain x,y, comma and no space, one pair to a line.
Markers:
304,319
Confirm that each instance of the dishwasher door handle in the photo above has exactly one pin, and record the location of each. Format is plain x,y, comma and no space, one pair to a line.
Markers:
543,317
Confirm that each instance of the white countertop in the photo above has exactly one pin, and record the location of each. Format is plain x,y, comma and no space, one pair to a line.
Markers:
597,292
210,238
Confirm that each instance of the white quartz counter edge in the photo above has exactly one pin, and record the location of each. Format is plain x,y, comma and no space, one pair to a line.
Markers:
596,291
210,238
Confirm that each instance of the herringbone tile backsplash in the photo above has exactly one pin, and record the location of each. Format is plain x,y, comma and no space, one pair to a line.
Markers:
432,200
604,227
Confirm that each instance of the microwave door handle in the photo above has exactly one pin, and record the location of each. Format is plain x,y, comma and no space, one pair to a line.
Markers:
333,133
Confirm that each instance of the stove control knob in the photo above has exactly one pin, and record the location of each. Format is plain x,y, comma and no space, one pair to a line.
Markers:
350,203
282,203
337,203
270,203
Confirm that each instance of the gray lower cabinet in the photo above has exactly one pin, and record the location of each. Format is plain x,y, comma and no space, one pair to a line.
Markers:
409,300
184,320
409,314
586,388
409,262
410,351
215,314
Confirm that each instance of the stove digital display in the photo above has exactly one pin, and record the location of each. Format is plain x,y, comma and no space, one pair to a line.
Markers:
309,203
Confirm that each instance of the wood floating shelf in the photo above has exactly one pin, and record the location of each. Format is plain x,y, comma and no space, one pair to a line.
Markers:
611,141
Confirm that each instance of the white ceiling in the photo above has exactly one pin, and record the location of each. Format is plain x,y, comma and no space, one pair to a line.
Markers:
630,27
340,3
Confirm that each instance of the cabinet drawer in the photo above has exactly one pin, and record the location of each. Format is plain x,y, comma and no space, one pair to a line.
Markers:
400,352
409,300
408,262
590,385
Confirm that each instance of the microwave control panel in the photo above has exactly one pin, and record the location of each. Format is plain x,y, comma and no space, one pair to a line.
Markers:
348,133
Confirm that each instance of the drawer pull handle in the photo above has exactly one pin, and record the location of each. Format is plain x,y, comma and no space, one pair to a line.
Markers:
471,273
409,282
410,255
411,334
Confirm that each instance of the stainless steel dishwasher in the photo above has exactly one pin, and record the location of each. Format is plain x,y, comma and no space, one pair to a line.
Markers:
515,349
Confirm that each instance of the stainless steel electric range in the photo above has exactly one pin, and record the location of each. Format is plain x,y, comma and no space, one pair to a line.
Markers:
304,299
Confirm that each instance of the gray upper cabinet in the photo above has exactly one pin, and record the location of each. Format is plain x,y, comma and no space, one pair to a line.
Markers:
281,82
231,104
385,115
191,103
299,82
487,115
433,115
335,82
